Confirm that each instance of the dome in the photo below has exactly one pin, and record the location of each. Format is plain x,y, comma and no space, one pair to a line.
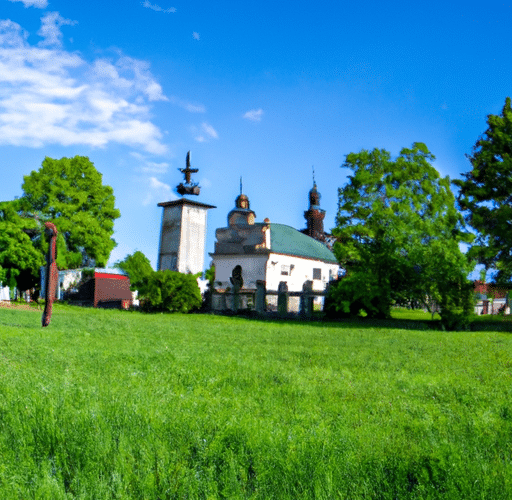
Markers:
242,201
314,196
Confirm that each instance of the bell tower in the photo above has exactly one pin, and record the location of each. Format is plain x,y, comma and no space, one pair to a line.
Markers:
183,230
315,215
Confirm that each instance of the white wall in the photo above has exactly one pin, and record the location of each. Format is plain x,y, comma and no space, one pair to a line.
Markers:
301,271
253,269
4,293
182,239
193,235
269,268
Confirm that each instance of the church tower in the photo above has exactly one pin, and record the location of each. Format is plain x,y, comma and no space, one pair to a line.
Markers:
183,230
315,216
241,215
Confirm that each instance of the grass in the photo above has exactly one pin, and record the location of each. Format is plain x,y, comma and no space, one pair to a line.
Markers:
109,404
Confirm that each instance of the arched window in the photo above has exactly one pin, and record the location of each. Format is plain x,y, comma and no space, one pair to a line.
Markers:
236,276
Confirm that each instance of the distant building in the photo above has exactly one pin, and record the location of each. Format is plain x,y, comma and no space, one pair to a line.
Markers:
4,293
491,299
104,287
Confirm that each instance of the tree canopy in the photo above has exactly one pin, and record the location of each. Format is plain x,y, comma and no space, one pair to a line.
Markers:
486,195
69,192
20,260
398,234
138,268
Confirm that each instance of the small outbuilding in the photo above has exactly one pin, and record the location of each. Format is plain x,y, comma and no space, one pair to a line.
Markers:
107,288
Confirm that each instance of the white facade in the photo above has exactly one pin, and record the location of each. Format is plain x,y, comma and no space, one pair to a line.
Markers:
182,236
4,293
274,268
493,307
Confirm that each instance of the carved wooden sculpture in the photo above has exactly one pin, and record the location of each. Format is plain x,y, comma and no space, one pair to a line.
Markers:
52,274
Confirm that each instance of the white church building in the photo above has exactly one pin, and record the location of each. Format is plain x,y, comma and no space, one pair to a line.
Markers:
249,254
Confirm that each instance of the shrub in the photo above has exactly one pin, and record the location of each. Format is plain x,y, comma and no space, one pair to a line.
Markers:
457,307
356,292
170,291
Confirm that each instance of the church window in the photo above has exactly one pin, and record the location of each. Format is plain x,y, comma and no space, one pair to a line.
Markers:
317,273
285,270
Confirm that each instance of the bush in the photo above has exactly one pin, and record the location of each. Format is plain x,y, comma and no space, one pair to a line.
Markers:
355,293
170,291
457,308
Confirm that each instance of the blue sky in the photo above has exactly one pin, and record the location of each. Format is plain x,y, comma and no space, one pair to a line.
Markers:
263,90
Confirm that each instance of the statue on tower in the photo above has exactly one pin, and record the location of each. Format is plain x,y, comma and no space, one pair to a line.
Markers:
188,187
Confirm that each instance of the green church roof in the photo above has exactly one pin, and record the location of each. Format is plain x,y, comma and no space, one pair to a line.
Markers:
289,241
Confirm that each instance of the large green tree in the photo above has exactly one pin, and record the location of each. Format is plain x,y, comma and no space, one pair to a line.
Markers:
69,192
398,234
486,195
20,259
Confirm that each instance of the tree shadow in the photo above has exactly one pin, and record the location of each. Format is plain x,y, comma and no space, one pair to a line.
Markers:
320,321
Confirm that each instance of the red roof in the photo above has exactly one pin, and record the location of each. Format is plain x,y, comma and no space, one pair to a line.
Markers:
489,288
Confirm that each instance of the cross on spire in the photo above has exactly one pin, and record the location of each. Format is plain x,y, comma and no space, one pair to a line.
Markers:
188,187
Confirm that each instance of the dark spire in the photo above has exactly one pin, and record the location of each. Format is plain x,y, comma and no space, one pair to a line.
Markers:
188,187
315,215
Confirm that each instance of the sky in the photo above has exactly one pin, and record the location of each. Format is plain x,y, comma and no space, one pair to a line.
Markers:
265,91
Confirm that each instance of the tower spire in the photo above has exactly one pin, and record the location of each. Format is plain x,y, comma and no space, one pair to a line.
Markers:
188,187
314,215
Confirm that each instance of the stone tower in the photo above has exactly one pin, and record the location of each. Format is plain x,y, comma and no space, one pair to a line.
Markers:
183,229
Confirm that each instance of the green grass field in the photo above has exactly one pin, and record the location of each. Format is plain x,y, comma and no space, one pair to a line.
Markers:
116,405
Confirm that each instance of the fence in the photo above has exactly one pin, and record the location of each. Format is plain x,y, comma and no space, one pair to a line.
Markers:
263,301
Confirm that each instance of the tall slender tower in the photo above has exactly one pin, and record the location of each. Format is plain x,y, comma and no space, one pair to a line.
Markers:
315,215
183,230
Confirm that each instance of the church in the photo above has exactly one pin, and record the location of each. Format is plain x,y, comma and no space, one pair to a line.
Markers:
254,261
249,254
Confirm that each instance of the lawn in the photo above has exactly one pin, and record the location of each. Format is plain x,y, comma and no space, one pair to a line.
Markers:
111,404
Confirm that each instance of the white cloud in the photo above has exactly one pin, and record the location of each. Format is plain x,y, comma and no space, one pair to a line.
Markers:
207,132
40,4
11,34
158,191
205,183
254,115
50,29
51,96
193,108
157,8
150,166
128,74
196,35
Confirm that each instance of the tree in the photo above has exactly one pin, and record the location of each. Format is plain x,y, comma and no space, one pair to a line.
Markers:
69,192
398,235
19,259
486,195
138,268
171,291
